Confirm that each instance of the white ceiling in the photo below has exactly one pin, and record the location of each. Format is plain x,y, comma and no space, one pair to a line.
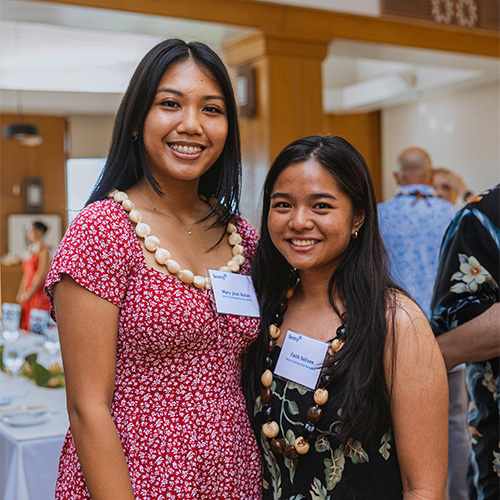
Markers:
61,59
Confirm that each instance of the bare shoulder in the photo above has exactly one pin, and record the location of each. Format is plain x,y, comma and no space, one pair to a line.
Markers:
410,338
406,319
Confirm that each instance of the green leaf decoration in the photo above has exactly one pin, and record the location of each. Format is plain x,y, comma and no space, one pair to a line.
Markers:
53,377
290,437
293,407
334,468
258,406
318,491
322,444
42,375
386,445
31,358
272,467
297,497
300,388
355,452
291,465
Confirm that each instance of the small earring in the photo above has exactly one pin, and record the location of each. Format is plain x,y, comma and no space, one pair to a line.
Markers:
355,235
134,138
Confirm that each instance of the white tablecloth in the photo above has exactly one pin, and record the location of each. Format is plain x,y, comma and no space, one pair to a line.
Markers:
29,455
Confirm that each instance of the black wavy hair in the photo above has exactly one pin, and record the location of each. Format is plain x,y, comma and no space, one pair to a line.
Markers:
126,162
361,282
38,224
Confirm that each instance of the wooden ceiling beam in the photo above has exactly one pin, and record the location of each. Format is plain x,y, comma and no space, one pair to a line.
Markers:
307,23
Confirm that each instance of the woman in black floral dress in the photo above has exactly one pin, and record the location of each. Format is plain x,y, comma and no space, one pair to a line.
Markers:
372,421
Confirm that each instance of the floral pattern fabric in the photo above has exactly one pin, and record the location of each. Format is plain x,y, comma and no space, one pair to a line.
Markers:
330,470
412,225
467,285
177,406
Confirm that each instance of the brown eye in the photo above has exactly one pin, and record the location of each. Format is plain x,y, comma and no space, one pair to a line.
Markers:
169,103
214,109
322,206
281,204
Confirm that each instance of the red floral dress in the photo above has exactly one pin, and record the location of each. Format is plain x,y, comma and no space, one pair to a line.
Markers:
38,300
178,406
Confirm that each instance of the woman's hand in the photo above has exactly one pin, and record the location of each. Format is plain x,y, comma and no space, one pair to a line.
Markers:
88,328
419,404
23,297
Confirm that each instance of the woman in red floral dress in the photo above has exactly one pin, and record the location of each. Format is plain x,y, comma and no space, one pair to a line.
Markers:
35,268
152,370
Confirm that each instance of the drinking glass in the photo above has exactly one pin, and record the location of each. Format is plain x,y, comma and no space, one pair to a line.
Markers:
11,316
51,335
38,320
13,356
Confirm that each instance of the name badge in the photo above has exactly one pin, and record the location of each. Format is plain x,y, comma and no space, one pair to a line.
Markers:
234,294
301,359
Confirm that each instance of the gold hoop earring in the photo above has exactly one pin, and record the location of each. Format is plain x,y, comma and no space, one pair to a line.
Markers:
355,235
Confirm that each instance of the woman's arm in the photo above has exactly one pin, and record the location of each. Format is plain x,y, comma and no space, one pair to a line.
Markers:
19,294
419,404
88,326
40,275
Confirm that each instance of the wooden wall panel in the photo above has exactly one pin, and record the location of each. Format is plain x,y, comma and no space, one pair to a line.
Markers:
363,132
289,102
47,161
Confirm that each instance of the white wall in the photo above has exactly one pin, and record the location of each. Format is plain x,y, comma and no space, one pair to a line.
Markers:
89,136
460,130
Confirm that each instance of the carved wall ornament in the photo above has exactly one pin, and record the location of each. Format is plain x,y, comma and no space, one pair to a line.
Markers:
466,12
442,11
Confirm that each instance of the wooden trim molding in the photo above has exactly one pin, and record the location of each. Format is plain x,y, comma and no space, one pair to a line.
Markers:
313,23
262,43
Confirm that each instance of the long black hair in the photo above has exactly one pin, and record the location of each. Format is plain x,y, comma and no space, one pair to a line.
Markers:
126,162
361,282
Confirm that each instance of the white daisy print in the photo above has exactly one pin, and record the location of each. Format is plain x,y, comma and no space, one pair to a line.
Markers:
471,274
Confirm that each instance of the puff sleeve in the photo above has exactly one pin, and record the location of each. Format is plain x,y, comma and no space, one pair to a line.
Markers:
97,251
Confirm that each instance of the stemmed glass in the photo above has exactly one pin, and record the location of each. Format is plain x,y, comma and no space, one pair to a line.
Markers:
51,336
13,356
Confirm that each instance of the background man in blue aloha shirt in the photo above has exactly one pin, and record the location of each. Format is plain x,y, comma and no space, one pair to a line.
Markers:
466,319
412,225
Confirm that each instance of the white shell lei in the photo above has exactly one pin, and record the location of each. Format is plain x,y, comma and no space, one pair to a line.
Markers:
163,257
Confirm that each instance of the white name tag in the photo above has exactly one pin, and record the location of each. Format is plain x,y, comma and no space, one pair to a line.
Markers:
301,359
234,294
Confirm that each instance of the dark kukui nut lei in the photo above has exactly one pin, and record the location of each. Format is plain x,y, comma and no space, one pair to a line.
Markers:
270,428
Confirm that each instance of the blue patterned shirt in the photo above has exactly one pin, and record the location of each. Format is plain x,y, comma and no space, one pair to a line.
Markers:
412,225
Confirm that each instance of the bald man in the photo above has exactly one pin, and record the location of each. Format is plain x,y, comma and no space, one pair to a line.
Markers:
412,225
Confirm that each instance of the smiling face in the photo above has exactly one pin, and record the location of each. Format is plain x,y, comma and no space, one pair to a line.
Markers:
186,127
311,221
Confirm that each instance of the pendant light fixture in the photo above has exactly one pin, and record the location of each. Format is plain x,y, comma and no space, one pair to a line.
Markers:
26,133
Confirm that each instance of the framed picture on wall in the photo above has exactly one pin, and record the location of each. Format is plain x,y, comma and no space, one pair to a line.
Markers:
18,224
33,194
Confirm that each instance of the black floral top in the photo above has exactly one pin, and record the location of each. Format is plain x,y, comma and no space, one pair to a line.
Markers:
467,285
329,471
